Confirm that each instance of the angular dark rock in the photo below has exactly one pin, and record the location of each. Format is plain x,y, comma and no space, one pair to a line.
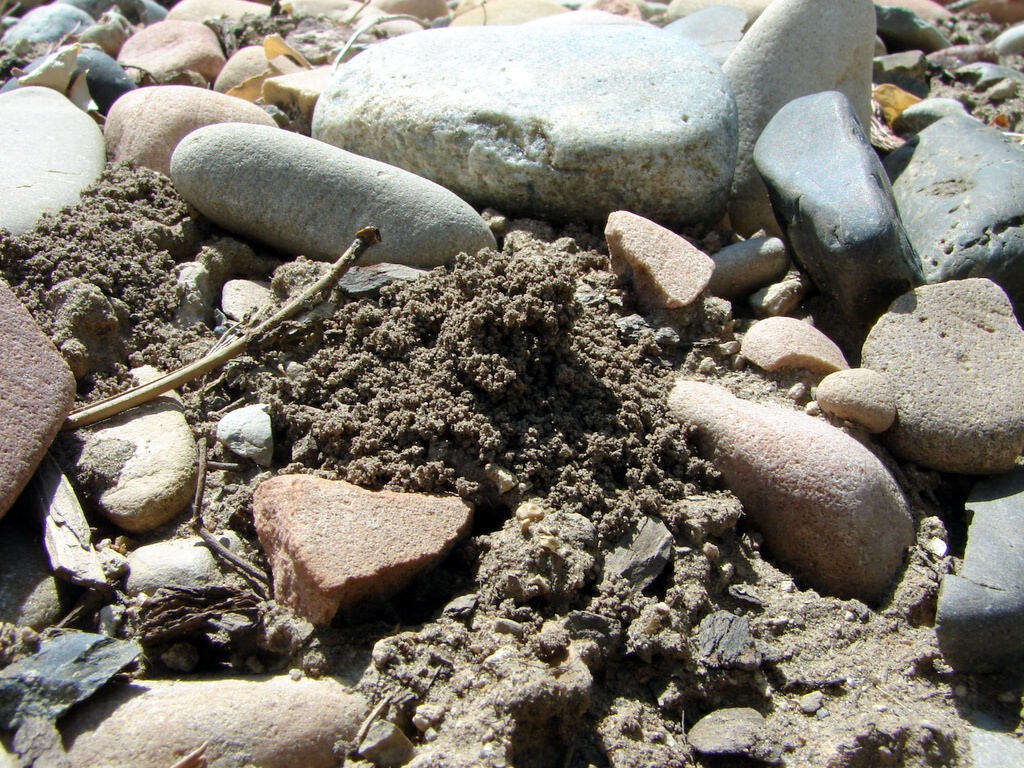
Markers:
642,557
725,642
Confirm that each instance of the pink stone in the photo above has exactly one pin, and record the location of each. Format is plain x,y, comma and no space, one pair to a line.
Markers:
777,343
332,544
667,271
172,46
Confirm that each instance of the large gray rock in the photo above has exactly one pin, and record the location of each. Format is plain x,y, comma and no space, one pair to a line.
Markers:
717,29
52,150
980,621
46,24
795,48
959,188
304,196
954,353
560,122
830,193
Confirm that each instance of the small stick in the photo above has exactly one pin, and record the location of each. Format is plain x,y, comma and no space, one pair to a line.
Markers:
112,406
224,465
194,759
367,27
373,715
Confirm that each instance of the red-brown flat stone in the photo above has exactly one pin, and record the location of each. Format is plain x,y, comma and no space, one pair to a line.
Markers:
36,392
332,544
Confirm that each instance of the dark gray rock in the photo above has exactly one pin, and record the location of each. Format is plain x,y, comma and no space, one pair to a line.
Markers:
366,282
725,642
959,188
106,79
980,621
718,29
832,198
907,70
982,74
902,30
46,24
385,745
642,556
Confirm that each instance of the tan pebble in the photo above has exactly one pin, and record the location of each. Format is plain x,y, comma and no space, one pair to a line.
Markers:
780,343
797,392
865,397
424,9
710,551
169,47
707,366
198,10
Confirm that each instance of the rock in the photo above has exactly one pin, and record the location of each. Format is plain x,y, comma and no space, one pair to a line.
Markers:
109,33
36,392
248,61
959,55
907,70
642,556
566,123
106,79
824,503
170,47
332,544
947,349
146,125
667,272
29,593
829,191
626,8
980,620
780,298
139,467
904,30
984,74
240,297
503,12
234,10
1000,10
735,731
725,642
52,166
795,48
679,9
994,749
297,93
917,117
367,281
424,9
585,18
1010,41
743,267
717,29
247,432
303,196
45,24
865,397
273,722
184,563
780,343
385,745
811,702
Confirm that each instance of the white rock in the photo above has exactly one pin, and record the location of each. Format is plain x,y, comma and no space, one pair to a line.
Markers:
240,297
247,432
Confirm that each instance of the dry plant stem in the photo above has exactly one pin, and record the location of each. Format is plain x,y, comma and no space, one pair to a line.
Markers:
194,759
216,359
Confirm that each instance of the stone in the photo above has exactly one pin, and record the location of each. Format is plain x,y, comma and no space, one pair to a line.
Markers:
247,62
717,29
679,9
272,722
831,195
980,619
247,432
176,563
626,8
233,10
297,93
795,48
303,196
367,281
904,30
667,271
45,24
780,343
424,9
240,297
865,397
566,123
917,117
145,126
105,78
36,393
780,298
59,152
385,745
727,732
641,557
172,46
1010,42
824,503
332,544
29,594
1000,10
811,702
109,33
724,642
743,267
994,749
585,18
948,349
984,74
503,12
907,70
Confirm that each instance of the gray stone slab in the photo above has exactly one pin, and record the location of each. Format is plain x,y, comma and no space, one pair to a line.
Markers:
643,555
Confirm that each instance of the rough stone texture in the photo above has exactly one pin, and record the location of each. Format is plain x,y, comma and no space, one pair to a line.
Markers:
667,271
303,196
172,46
186,563
734,731
994,749
954,352
332,544
717,29
240,297
145,126
959,188
385,745
778,343
725,642
917,117
903,30
36,392
563,122
28,591
743,267
865,397
503,12
247,432
795,48
642,556
780,298
197,10
59,151
46,24
830,193
980,621
908,70
824,503
272,722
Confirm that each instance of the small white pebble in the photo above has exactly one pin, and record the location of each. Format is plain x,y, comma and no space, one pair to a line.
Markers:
797,392
787,586
822,713
707,367
295,673
710,551
812,408
850,616
936,546
728,569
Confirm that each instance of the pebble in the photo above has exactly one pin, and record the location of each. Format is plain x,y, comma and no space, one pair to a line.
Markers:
829,188
666,270
109,33
811,702
424,9
177,563
106,79
59,153
780,343
825,504
503,12
272,722
29,594
385,745
585,18
247,432
983,74
718,29
641,556
780,298
795,48
903,30
744,267
736,731
865,397
928,10
907,70
240,297
980,620
248,62
45,24
303,196
233,10
1000,10
511,119
36,392
297,93
948,350
331,544
1010,42
917,117
724,642
679,9
170,47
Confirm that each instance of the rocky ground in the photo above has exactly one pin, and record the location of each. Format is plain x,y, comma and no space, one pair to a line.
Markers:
674,420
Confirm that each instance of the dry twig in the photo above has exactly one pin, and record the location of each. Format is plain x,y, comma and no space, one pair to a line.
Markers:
194,759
